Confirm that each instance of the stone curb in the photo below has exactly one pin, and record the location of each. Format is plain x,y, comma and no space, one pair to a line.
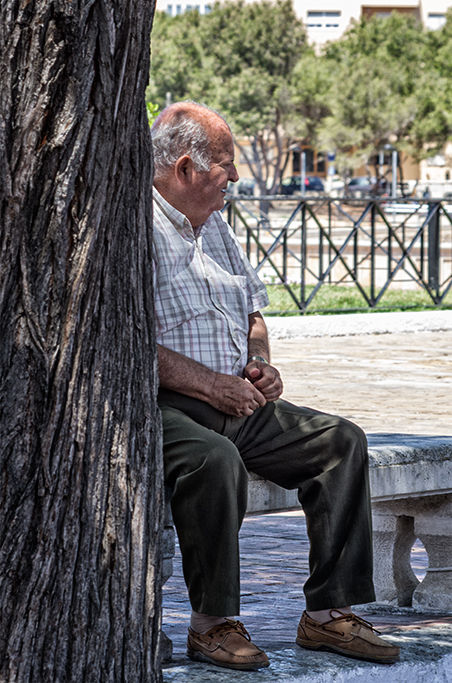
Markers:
358,323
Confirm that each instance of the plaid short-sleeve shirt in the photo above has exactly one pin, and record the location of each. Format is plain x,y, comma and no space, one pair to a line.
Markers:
205,288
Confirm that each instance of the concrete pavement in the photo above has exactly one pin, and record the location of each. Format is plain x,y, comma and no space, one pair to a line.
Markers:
388,382
274,560
353,365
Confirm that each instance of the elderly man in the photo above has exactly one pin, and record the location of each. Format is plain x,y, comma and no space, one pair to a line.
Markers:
223,416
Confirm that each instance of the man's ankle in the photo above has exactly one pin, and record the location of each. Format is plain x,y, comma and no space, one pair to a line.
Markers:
200,623
324,615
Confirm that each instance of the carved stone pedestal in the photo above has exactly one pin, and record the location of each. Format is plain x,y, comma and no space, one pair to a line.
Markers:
397,525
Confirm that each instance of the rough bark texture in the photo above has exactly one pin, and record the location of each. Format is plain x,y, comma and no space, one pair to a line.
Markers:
80,470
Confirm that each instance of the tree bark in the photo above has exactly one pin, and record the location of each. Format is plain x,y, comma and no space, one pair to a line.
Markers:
80,467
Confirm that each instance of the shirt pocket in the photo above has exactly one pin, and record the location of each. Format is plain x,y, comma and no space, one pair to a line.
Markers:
188,294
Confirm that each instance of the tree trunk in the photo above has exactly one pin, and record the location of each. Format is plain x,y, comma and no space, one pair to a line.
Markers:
80,467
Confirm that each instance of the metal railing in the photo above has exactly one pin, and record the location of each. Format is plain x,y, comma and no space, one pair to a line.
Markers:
375,244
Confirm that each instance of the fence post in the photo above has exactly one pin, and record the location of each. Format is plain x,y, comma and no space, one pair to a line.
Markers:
304,254
433,249
373,238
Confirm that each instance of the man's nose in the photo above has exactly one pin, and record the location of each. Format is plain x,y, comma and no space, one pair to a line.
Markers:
233,176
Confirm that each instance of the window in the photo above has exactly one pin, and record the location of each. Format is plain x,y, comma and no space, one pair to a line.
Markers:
435,20
309,155
178,9
207,9
169,9
320,162
323,20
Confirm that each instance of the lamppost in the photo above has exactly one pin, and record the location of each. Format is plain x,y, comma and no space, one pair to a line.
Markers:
391,149
297,148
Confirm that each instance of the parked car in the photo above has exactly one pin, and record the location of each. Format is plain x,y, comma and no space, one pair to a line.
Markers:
246,186
366,186
293,184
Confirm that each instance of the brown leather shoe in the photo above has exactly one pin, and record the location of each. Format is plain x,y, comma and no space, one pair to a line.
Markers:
347,635
227,645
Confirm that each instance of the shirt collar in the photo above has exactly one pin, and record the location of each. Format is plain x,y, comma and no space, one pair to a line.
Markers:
177,218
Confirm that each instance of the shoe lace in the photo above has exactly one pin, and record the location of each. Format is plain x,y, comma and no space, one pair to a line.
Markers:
229,626
347,618
363,622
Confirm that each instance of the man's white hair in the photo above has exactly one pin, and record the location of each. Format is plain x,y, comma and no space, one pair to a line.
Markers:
180,134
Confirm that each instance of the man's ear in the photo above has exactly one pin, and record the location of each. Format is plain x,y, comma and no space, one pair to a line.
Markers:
184,169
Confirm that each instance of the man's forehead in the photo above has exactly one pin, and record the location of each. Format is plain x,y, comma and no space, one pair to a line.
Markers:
220,138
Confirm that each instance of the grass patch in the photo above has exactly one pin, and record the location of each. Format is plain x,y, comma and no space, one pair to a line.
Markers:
336,299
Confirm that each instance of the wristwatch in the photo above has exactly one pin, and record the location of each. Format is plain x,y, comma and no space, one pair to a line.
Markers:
260,358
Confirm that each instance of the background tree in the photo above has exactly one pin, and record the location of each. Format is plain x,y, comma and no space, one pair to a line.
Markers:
80,471
312,83
239,59
433,124
378,66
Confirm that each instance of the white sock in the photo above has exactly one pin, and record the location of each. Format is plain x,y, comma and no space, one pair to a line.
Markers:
200,623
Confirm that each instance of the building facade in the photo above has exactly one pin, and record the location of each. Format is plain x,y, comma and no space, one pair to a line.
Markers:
328,19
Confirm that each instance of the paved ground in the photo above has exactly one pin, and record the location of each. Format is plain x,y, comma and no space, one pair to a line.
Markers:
391,382
400,383
274,560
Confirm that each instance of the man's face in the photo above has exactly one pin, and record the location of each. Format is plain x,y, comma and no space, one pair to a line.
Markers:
210,186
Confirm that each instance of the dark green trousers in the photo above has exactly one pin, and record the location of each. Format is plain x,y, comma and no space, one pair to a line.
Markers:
206,458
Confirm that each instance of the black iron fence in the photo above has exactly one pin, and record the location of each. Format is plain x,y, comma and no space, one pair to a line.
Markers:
371,245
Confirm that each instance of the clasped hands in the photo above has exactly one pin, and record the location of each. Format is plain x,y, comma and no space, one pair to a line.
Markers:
241,396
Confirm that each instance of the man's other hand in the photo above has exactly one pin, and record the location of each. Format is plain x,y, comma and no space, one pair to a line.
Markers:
235,396
265,378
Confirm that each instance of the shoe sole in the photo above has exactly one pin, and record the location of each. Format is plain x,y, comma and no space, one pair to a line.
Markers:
309,645
197,656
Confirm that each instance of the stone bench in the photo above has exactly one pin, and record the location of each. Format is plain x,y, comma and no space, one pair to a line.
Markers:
411,491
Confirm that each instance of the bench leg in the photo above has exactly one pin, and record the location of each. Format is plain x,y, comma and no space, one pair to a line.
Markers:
393,538
433,527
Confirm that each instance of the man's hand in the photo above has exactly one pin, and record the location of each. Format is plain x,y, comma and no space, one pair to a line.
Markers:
265,378
235,396
228,393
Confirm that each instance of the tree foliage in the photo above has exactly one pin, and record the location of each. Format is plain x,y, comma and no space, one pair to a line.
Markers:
389,88
433,123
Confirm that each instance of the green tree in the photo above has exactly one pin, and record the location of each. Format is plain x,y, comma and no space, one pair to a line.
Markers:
386,81
379,68
433,125
312,84
238,59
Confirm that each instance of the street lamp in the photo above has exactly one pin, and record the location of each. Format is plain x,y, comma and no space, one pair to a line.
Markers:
390,148
296,148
